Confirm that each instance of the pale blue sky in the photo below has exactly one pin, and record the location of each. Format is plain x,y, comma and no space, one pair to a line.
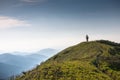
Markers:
31,25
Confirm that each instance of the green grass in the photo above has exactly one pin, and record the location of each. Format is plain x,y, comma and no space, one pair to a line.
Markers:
95,60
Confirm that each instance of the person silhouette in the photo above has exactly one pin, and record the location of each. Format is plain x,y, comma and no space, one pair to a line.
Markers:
87,38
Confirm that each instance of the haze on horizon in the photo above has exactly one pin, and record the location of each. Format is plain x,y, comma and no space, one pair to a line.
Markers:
31,25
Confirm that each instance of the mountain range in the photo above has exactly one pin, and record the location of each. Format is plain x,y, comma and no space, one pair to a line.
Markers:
13,64
94,60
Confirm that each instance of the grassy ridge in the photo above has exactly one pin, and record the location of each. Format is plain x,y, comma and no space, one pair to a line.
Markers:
95,60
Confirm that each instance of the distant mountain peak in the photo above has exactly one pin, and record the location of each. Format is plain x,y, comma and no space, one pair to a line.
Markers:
48,52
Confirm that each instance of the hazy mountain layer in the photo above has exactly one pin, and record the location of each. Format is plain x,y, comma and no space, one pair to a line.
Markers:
15,64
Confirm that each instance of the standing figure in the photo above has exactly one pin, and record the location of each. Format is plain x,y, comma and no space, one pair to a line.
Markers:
87,38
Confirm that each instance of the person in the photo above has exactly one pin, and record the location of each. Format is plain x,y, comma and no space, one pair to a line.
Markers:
87,38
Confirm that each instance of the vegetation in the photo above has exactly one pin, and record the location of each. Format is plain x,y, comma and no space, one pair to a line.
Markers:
95,60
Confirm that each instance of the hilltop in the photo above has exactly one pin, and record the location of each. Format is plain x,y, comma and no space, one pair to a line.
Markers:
94,60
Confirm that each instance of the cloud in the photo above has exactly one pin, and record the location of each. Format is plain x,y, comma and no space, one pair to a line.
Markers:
32,1
29,2
8,22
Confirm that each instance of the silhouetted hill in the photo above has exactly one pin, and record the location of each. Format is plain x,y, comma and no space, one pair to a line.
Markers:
95,60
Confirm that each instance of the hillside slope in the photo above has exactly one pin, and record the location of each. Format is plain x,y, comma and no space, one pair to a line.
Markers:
95,60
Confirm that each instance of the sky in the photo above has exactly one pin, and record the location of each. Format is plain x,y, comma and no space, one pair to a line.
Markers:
31,25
